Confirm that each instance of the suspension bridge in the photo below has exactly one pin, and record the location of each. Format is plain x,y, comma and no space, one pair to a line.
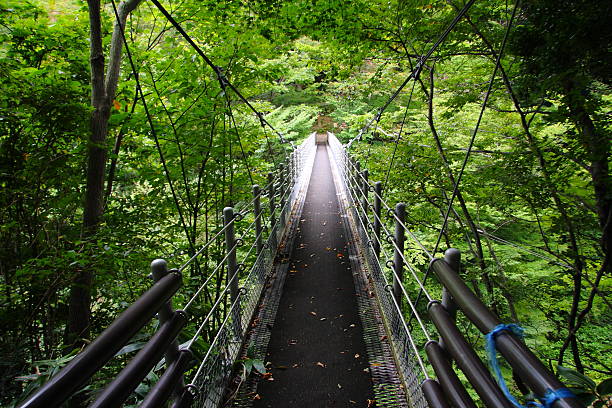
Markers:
319,297
314,310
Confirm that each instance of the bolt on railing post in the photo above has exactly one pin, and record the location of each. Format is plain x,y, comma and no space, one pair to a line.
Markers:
377,225
257,212
398,251
159,269
232,266
365,187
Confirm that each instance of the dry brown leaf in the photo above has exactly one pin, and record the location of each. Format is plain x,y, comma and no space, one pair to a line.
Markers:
320,364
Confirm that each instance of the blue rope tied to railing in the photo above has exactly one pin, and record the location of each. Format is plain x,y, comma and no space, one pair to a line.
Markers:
492,355
549,398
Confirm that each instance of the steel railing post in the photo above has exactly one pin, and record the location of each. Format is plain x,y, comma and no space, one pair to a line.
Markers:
293,167
365,189
271,198
452,256
232,266
272,208
377,225
257,212
282,187
356,188
159,269
398,251
284,169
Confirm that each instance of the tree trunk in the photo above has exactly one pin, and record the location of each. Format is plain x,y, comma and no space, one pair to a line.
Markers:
102,93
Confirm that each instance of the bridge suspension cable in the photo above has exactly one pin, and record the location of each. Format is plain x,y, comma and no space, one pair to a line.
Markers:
223,81
472,139
415,72
177,205
399,135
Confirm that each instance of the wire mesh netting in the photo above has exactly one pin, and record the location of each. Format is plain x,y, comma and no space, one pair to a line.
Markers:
405,358
213,381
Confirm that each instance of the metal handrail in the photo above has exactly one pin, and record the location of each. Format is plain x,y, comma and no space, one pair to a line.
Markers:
78,372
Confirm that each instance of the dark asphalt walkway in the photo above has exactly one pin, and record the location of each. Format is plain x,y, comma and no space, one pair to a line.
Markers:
317,352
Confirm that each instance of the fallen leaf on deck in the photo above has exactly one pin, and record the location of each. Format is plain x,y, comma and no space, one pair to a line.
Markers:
323,318
320,364
371,403
313,313
257,397
356,355
339,386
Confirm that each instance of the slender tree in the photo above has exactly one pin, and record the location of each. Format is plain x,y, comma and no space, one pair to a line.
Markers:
103,89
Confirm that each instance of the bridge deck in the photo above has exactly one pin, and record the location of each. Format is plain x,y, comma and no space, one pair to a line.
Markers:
317,352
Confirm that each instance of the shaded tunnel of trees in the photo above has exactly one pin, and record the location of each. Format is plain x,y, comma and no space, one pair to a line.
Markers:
93,186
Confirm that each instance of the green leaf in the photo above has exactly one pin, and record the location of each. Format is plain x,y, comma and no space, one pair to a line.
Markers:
575,378
259,366
130,347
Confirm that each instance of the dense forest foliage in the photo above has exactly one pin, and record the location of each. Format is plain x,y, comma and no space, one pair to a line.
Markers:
94,186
